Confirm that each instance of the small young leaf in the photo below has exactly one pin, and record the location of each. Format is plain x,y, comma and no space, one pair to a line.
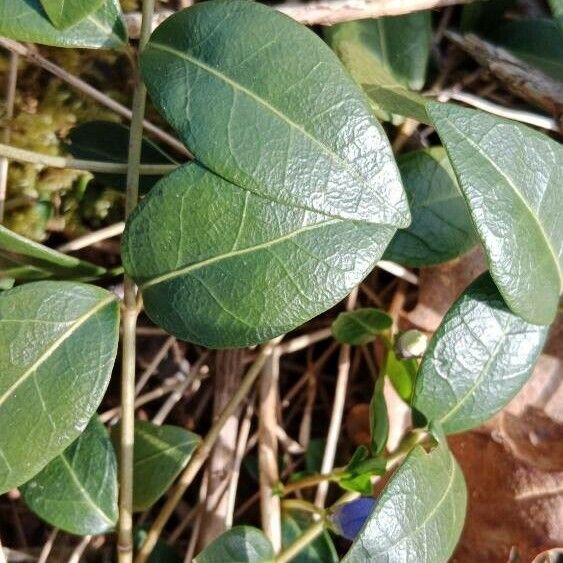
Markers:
58,342
399,44
77,490
441,227
419,515
378,419
360,326
25,20
66,13
512,179
23,259
478,359
241,544
282,222
109,142
159,454
321,550
402,374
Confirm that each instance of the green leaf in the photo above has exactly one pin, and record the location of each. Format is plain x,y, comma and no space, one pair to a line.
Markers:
109,142
58,342
77,490
399,44
378,419
355,45
359,471
419,516
401,373
539,42
556,7
240,544
66,13
320,550
21,258
360,326
160,453
441,227
512,179
479,358
25,20
162,552
298,190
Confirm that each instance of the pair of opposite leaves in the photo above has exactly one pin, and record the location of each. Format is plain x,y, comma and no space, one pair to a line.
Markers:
295,194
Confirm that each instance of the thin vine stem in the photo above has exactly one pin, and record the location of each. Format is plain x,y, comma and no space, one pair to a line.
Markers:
130,313
204,449
29,157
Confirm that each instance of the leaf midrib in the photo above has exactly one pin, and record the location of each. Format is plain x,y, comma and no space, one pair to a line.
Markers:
510,182
240,88
77,323
262,246
84,492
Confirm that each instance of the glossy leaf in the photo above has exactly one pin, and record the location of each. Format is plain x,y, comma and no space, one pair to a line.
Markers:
22,258
320,550
283,222
441,227
159,454
66,13
401,373
419,515
400,44
58,342
242,544
512,179
26,20
354,44
360,326
77,490
109,142
479,358
539,42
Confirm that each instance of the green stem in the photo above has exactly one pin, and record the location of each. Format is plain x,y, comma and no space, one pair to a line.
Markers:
302,505
30,157
309,535
309,481
130,313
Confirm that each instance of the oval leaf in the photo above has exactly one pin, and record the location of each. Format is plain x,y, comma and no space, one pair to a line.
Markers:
419,516
21,258
241,544
66,13
512,179
223,267
77,490
58,342
360,326
109,142
353,42
400,44
25,20
479,358
159,454
441,227
279,134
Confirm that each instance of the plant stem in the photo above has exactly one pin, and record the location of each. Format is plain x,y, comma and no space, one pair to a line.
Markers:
302,505
130,313
309,481
21,155
202,452
312,532
9,103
